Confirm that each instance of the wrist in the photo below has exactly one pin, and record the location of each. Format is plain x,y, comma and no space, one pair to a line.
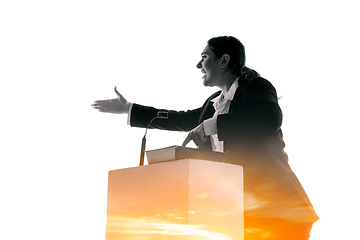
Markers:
128,107
210,126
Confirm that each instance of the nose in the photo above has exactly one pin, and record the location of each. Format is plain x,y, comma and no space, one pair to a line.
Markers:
199,65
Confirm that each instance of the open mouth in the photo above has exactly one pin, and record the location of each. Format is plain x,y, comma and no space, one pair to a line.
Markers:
204,72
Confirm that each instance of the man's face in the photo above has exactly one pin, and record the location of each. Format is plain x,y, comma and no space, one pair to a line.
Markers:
210,66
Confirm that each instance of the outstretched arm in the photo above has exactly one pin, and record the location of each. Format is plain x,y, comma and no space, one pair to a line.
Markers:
117,105
176,121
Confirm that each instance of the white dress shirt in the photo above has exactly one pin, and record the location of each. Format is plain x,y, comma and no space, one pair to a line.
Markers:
221,105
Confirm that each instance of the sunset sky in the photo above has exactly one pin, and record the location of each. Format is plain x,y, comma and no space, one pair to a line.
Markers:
58,57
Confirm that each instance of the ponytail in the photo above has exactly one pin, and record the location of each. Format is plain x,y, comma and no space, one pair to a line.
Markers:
248,73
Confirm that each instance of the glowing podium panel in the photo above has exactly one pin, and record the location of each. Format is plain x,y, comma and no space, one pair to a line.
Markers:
181,200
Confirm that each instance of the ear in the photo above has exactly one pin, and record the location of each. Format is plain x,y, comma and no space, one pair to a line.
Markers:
225,59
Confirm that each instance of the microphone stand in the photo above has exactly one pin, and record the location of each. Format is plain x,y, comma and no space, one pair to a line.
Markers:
160,114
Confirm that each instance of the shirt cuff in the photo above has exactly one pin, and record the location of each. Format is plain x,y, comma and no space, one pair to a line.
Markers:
210,126
129,114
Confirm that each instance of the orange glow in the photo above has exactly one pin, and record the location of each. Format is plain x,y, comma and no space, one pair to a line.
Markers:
202,200
185,199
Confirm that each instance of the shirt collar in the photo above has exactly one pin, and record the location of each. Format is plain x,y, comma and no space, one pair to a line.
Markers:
229,95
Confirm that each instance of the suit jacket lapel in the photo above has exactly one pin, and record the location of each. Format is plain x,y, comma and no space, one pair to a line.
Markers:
208,109
236,104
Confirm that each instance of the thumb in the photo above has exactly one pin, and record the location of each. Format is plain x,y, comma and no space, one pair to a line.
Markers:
116,91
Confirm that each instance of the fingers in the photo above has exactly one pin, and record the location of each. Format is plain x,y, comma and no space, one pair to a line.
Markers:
102,105
193,136
101,108
197,135
104,110
187,140
100,102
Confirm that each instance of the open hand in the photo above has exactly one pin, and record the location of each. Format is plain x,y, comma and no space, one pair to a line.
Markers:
117,105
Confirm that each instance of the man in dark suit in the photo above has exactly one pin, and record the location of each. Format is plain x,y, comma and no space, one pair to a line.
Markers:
243,119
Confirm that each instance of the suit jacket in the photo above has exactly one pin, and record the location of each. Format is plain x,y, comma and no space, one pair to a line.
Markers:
252,136
254,120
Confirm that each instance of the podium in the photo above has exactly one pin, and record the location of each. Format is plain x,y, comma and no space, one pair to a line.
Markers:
186,199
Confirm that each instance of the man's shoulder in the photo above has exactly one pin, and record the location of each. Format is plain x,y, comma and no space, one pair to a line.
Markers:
261,83
261,88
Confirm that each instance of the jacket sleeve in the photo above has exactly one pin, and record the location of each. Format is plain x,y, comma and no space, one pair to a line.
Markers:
260,116
176,121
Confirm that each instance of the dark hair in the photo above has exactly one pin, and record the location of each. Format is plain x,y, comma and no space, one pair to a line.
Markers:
236,50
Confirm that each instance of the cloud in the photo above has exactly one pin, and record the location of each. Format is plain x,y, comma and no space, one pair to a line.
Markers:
126,226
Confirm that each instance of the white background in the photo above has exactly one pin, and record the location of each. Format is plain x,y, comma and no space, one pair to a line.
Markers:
57,57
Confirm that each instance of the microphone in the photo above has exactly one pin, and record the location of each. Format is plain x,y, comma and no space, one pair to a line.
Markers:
160,114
